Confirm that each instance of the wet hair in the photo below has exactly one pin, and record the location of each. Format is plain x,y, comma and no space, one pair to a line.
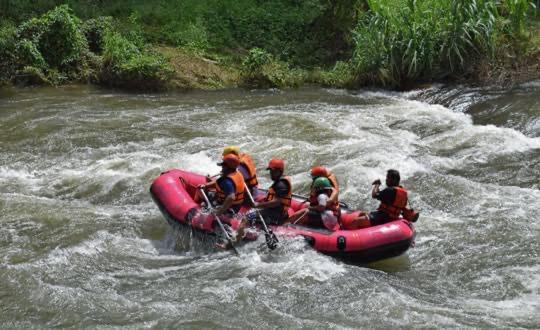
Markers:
393,177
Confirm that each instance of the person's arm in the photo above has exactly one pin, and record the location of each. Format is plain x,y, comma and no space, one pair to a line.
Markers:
211,184
229,190
227,203
376,189
333,197
322,201
273,203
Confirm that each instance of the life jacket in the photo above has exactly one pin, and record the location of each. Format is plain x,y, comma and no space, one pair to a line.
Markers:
249,165
285,201
238,181
399,204
333,181
334,207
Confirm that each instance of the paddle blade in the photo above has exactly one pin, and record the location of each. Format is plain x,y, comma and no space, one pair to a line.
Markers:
271,240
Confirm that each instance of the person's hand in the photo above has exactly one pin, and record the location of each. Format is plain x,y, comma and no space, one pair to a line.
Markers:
377,182
256,204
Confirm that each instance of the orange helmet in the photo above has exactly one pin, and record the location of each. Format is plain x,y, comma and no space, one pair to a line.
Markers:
276,163
231,161
317,171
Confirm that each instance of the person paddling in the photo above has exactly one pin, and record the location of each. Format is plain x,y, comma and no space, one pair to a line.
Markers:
321,213
229,187
246,167
393,199
229,196
278,199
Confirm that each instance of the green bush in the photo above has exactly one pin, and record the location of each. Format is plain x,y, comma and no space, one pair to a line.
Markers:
58,36
29,55
125,65
260,69
255,60
7,53
339,76
94,31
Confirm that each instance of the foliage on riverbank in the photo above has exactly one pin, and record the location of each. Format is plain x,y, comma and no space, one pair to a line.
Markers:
215,43
400,42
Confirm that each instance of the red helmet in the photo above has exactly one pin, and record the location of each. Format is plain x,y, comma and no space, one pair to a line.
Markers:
276,163
230,160
317,171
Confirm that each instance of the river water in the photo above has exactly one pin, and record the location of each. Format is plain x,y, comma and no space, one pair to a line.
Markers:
83,245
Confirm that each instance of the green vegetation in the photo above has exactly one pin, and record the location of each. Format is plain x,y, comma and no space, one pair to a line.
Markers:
141,44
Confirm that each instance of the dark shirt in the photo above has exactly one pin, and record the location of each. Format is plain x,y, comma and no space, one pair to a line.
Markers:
227,185
387,195
275,215
281,188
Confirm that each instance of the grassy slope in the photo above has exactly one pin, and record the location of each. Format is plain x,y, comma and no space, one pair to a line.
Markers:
193,71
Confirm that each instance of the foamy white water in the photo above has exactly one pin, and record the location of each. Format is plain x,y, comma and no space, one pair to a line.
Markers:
83,245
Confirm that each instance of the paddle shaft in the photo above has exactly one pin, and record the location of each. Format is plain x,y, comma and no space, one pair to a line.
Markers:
246,189
218,221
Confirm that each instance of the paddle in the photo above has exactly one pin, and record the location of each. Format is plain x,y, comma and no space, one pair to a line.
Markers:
271,239
219,221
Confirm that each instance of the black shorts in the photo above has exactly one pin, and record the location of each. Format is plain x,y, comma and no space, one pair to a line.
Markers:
274,217
378,218
314,219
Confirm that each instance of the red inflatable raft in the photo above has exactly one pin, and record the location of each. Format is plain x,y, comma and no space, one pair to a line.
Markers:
173,192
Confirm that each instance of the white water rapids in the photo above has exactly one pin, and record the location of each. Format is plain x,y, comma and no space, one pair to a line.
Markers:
83,245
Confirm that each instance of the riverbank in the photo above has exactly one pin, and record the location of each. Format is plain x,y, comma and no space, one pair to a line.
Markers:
357,43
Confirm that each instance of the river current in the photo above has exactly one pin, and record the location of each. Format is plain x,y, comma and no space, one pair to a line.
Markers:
83,245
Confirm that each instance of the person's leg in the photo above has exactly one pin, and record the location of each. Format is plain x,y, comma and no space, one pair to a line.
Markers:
378,218
356,220
297,216
270,217
313,219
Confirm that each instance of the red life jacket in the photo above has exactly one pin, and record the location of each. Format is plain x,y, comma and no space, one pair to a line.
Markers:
400,202
334,207
285,201
249,165
238,181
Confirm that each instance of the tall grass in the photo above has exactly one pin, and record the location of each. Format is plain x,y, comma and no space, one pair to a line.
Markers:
398,41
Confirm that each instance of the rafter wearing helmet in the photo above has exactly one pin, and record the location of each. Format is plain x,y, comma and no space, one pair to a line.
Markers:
246,167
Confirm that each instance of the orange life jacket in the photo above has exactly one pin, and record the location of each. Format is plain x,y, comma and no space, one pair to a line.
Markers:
238,181
400,202
248,163
334,207
333,181
285,201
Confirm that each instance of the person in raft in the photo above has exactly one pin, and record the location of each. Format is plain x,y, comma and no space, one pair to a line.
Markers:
229,187
246,167
274,208
393,201
321,171
320,213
